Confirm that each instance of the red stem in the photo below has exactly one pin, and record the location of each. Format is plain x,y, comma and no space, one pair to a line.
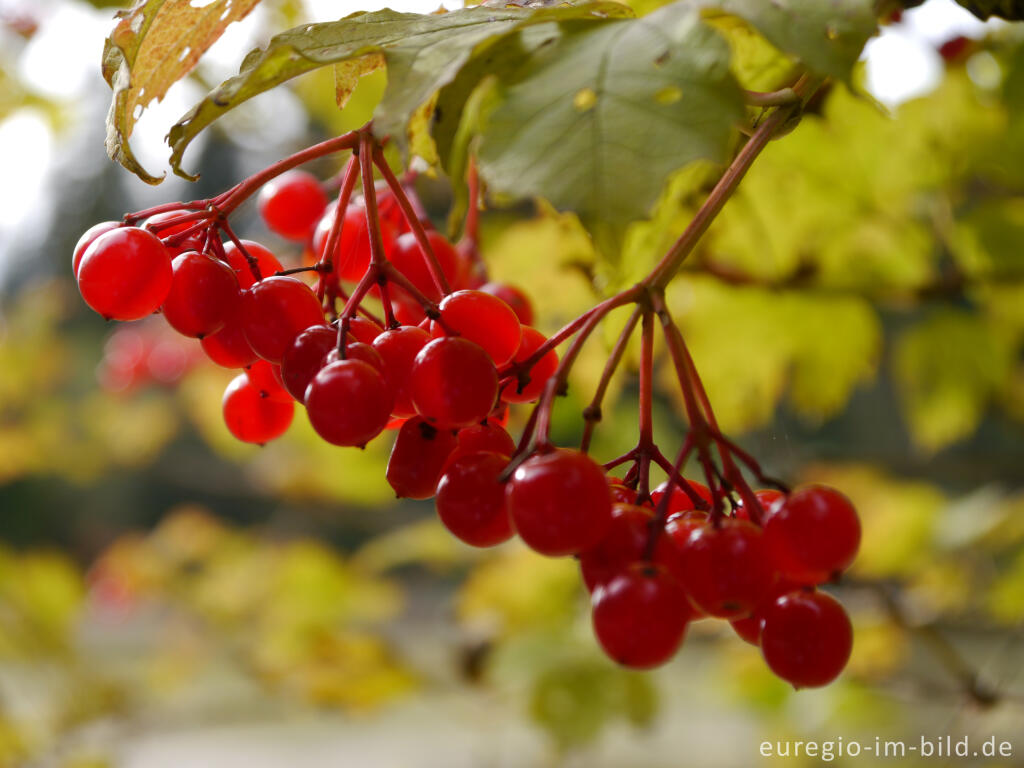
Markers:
334,235
433,266
592,413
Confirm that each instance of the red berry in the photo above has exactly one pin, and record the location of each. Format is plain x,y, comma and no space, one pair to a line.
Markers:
348,403
267,262
471,499
363,329
483,437
625,543
266,377
125,274
725,570
356,350
228,346
453,383
748,628
305,357
813,535
806,638
292,204
483,319
157,224
87,239
640,617
274,312
538,375
680,500
559,502
203,296
514,297
409,259
418,457
250,416
398,349
621,493
351,257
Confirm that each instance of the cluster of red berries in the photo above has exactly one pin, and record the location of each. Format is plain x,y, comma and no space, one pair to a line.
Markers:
443,372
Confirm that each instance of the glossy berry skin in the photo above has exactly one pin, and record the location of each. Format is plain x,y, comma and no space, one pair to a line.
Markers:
266,377
252,417
274,312
266,261
621,493
363,329
351,257
292,204
680,500
203,296
87,239
514,297
484,320
560,502
418,458
228,346
483,437
813,535
348,403
539,374
726,571
640,617
748,628
409,259
305,357
623,545
157,224
398,349
769,499
806,638
125,274
453,383
356,350
471,499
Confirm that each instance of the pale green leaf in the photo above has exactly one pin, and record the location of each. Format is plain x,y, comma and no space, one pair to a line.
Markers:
596,121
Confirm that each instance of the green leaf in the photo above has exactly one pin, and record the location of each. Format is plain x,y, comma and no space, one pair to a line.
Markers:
948,368
827,36
1012,10
596,121
155,44
421,52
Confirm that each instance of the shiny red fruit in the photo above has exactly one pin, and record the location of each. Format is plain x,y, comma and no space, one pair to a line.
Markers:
726,571
640,617
471,499
228,346
814,535
538,374
453,383
484,320
87,239
398,349
274,312
418,458
204,295
125,274
514,297
305,357
292,204
348,403
409,259
559,502
266,262
250,416
806,638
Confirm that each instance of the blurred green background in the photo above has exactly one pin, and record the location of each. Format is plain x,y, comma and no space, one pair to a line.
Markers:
170,597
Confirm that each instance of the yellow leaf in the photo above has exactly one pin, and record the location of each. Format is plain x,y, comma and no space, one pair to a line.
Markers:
155,44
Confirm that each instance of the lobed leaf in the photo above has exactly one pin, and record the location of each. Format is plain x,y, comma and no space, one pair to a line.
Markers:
155,44
827,36
422,53
596,119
